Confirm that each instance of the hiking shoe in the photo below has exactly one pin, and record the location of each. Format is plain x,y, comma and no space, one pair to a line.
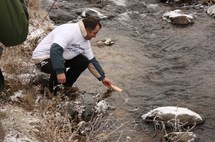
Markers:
70,93
69,90
49,95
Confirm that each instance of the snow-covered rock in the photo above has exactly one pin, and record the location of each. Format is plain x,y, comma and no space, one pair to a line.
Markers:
172,114
177,17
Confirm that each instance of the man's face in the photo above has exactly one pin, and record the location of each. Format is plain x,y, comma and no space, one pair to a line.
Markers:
92,33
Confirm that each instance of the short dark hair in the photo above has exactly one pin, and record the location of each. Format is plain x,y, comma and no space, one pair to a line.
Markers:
91,22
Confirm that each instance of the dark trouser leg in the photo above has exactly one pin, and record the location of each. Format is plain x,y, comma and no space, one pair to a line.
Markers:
53,83
46,67
76,66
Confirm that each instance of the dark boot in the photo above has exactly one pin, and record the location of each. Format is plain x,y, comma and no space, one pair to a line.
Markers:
70,90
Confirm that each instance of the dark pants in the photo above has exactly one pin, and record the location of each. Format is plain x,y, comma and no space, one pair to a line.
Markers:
76,66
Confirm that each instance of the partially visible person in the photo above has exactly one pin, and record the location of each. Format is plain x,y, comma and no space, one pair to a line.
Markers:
68,47
13,31
13,26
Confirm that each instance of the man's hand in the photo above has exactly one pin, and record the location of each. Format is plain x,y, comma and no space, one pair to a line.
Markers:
106,82
61,78
109,84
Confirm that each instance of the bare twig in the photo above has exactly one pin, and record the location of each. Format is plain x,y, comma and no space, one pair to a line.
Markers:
50,9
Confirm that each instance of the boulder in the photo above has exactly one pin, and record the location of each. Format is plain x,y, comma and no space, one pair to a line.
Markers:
211,11
172,114
177,17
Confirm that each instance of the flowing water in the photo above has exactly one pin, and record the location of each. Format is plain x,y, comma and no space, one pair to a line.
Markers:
155,63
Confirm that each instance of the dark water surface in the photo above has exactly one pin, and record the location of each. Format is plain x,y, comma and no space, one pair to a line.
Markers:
156,63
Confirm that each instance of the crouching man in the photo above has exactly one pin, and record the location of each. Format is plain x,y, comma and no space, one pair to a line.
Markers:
68,46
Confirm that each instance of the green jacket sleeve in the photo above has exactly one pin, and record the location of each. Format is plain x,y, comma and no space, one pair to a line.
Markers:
14,22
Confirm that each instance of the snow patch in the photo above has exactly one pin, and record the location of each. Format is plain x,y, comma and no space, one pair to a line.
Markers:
119,2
